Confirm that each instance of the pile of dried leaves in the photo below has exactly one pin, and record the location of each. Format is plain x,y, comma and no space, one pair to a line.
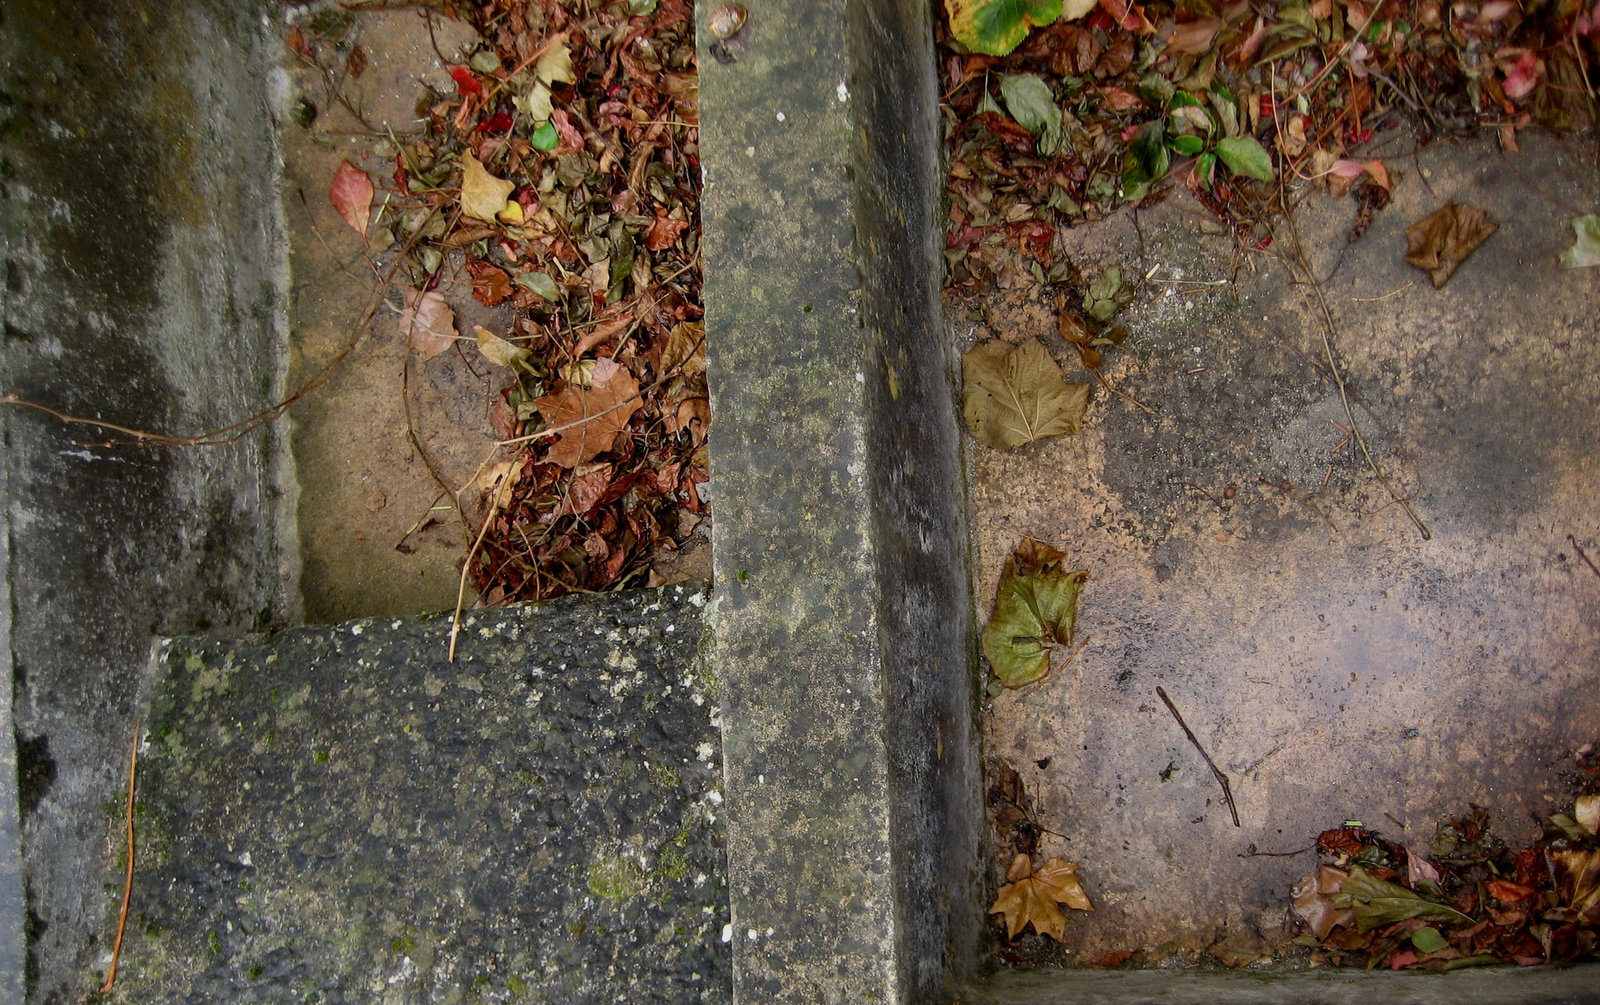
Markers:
1464,900
562,175
1233,99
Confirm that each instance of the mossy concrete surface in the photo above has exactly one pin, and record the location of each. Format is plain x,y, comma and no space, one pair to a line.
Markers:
341,815
843,619
142,286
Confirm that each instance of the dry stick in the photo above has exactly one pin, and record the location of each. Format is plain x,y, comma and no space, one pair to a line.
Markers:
1581,554
461,589
127,885
1328,330
1227,790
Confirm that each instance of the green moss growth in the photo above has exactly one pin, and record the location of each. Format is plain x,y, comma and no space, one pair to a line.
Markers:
613,877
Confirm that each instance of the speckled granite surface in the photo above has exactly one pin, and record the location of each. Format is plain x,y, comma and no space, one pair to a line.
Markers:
339,815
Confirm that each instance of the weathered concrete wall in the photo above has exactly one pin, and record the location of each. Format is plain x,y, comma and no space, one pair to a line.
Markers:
843,620
341,815
142,286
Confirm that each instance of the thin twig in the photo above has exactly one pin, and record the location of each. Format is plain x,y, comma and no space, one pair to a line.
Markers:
461,590
1252,853
1124,395
1227,790
1581,554
1328,331
127,884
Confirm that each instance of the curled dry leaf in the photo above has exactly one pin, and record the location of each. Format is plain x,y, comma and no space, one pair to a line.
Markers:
1031,896
351,195
428,323
1011,396
483,195
1442,240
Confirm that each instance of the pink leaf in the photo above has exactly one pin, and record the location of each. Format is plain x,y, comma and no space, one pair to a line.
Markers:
351,194
428,323
1524,75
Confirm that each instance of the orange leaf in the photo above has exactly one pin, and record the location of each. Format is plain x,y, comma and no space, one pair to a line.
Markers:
1031,897
351,194
595,414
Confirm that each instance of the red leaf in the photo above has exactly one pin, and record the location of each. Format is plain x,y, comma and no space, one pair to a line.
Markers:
499,122
490,285
587,491
297,42
466,83
1128,15
351,194
664,232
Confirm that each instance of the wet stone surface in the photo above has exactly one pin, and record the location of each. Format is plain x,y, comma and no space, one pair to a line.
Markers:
340,815
1242,555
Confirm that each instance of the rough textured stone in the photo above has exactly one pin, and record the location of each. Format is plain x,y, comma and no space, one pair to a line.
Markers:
843,619
142,251
340,815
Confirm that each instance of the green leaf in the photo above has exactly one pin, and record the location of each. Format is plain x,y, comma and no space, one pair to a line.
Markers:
995,27
1188,146
1585,251
1011,396
1244,155
1378,903
1031,104
1428,940
1183,99
540,283
1035,607
1205,166
1149,150
545,137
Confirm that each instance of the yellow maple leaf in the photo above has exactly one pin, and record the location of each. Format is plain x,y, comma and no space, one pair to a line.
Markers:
1032,896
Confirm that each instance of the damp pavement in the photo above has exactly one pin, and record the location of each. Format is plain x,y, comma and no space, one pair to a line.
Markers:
1242,554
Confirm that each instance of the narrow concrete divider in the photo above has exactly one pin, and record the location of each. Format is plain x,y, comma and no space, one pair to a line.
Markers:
843,616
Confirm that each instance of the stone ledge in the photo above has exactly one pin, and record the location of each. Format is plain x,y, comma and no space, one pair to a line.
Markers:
338,814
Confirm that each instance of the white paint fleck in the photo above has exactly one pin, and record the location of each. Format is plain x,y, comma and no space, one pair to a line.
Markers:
704,751
842,91
781,118
752,934
749,151
357,629
727,932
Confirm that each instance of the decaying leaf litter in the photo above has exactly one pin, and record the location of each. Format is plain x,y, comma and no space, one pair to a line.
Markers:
560,176
1248,107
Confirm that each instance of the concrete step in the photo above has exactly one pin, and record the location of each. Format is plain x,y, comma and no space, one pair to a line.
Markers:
341,815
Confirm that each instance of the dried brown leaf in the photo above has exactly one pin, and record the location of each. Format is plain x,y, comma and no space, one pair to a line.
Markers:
596,414
1031,897
1012,396
1442,240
